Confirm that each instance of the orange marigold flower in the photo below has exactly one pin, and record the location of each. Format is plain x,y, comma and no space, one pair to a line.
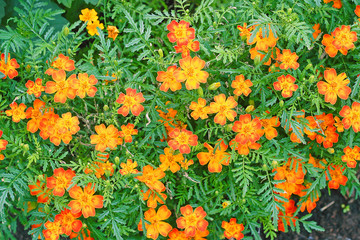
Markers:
157,224
3,142
128,167
39,189
263,43
181,139
153,198
112,32
215,158
233,229
308,204
8,68
62,63
245,32
249,130
357,10
330,49
102,168
85,201
53,230
132,102
336,175
185,49
35,88
60,181
180,32
318,163
186,163
17,111
269,127
241,85
192,220
290,209
107,137
288,60
84,85
36,115
151,176
127,132
200,235
200,110
191,72
69,222
338,124
69,123
88,15
83,236
48,123
286,84
259,56
170,160
317,30
92,27
175,234
351,155
168,79
62,86
344,39
223,108
335,85
351,116
292,171
64,128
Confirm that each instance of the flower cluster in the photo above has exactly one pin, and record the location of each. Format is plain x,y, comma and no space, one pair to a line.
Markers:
8,66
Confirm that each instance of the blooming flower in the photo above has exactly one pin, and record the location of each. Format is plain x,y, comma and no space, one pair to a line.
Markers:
181,139
85,200
175,234
61,87
288,60
157,224
47,123
128,167
233,229
185,49
330,49
17,111
89,15
200,110
39,189
244,149
290,209
112,32
357,10
60,181
241,85
338,124
61,63
351,155
269,127
336,175
263,42
336,3
8,68
317,30
131,102
35,88
82,235
151,176
127,132
286,85
191,72
292,171
153,198
3,144
318,163
92,27
170,160
335,85
344,39
53,230
249,130
192,220
223,108
36,115
168,79
180,32
351,116
107,137
69,222
84,85
245,32
215,158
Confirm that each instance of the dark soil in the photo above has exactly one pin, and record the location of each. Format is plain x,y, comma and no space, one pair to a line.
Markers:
329,213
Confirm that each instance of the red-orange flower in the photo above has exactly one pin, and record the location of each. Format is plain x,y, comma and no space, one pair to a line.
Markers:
191,72
153,198
157,224
3,142
336,3
317,30
290,209
223,108
288,60
245,31
68,222
351,155
215,158
336,175
318,163
335,85
151,176
263,42
84,85
17,111
61,87
241,85
107,137
112,32
185,49
286,85
269,127
53,230
351,116
200,110
192,220
292,171
233,229
60,181
8,68
182,140
35,88
128,168
357,10
61,63
175,234
85,201
249,130
180,32
344,39
127,132
170,160
244,149
39,189
131,102
330,49
168,79
36,115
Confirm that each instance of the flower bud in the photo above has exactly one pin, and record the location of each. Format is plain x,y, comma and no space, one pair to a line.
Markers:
69,51
106,108
281,103
308,66
214,86
226,204
228,127
331,150
257,60
28,68
251,102
40,177
200,91
117,160
46,208
312,79
250,108
66,31
161,53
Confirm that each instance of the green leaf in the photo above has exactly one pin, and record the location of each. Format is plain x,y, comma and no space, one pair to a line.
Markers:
66,3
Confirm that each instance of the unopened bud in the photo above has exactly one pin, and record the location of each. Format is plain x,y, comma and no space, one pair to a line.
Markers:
161,53
66,31
312,79
200,91
250,108
281,103
117,160
214,86
69,51
40,177
251,102
47,208
28,68
308,66
229,127
331,150
106,108
257,60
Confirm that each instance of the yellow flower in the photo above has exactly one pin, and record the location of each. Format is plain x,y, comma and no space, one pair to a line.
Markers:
92,27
